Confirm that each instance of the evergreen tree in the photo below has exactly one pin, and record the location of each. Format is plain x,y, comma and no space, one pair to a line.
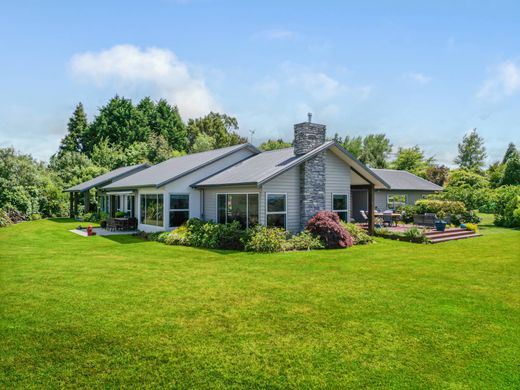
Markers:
511,150
512,170
376,150
495,174
354,145
76,130
471,152
203,143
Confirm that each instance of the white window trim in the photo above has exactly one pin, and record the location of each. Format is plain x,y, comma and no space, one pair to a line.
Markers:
170,205
141,209
393,205
267,212
340,211
247,204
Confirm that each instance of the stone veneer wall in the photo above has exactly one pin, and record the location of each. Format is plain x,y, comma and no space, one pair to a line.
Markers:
312,187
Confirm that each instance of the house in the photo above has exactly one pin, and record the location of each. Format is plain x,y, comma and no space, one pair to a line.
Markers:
282,188
97,182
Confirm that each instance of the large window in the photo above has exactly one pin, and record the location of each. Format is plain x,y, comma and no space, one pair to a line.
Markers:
340,206
152,209
395,201
277,210
179,209
238,207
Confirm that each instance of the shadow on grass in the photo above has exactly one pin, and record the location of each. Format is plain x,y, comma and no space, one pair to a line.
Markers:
124,239
62,220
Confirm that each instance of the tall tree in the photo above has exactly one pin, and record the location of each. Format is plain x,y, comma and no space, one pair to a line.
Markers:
76,130
409,159
512,170
437,174
511,150
495,174
273,144
221,127
376,150
354,145
472,152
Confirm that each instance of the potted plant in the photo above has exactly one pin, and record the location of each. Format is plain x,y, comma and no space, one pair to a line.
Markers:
440,223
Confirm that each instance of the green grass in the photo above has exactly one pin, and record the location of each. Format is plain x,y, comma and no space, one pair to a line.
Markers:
121,312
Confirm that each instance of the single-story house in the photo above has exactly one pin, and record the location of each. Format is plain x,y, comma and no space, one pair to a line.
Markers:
283,188
97,182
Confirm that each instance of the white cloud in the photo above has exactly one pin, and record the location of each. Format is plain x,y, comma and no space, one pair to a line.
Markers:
505,81
277,34
154,71
417,77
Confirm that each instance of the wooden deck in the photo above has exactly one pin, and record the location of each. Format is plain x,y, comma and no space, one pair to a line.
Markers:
450,234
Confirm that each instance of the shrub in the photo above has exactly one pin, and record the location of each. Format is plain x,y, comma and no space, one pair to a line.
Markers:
120,214
304,241
415,235
454,211
213,235
264,239
471,226
507,212
407,211
326,225
178,236
359,235
35,216
4,218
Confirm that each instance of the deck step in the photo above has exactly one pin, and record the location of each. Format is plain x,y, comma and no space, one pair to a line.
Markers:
447,233
454,237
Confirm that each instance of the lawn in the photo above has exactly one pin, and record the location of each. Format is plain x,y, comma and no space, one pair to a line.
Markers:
121,312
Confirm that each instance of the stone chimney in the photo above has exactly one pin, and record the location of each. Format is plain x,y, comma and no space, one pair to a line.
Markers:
308,136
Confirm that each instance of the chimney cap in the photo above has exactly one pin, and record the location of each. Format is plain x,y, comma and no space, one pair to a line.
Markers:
309,115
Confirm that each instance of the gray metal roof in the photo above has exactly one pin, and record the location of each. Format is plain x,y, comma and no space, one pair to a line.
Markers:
267,165
175,167
404,180
106,178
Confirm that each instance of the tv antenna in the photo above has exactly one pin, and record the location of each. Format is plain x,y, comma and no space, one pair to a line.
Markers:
252,132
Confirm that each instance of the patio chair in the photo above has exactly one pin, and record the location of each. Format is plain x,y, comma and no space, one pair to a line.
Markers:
418,219
387,218
429,219
364,216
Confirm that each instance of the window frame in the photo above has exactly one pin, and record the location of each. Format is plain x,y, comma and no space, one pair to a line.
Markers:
142,210
247,205
170,209
267,212
393,205
343,210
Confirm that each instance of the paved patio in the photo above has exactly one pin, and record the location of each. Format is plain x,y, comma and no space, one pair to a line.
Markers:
101,232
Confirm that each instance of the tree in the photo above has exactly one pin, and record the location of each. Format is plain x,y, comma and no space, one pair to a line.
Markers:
203,143
220,127
354,145
409,159
376,150
76,130
467,179
495,174
272,144
511,150
471,152
512,170
437,174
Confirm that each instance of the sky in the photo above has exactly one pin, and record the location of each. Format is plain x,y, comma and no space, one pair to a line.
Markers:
423,73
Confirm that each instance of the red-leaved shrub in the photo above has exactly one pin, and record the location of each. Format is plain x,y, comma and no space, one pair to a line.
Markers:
326,225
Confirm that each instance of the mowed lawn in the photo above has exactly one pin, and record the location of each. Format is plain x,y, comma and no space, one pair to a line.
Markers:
122,312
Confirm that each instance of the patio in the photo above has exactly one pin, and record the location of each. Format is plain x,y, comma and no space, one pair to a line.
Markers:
101,232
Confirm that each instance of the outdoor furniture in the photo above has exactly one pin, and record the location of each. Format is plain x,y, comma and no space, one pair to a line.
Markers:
363,215
393,216
427,219
388,220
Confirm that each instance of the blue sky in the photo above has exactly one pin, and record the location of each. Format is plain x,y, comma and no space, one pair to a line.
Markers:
421,73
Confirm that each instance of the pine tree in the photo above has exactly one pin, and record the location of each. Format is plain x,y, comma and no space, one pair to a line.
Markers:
511,150
76,130
471,152
512,170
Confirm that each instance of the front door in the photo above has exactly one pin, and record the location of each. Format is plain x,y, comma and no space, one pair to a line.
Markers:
359,202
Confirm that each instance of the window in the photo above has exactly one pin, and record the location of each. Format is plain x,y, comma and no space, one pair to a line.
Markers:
340,206
238,207
276,210
395,201
179,209
152,209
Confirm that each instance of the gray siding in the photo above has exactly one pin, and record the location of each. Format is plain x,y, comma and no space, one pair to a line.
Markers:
411,197
286,183
337,179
